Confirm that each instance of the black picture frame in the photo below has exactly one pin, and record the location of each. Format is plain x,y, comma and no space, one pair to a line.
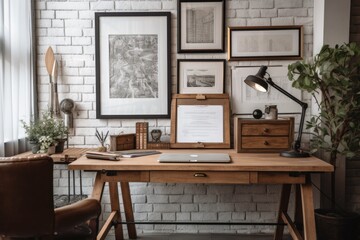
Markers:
203,68
149,35
252,43
210,43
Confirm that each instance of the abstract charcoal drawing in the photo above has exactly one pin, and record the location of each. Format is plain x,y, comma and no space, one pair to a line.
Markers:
133,63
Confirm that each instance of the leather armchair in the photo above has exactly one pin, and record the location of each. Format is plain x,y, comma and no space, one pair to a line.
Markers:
27,207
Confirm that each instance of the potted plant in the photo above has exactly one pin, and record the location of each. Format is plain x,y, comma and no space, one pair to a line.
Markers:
45,133
332,77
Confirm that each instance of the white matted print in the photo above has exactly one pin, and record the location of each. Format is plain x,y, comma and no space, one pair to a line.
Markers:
201,76
265,43
132,65
246,99
201,26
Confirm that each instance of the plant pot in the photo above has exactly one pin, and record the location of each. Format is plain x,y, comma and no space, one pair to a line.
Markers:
59,148
334,225
35,147
51,150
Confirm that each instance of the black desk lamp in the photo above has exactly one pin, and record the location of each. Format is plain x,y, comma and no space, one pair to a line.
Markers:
260,83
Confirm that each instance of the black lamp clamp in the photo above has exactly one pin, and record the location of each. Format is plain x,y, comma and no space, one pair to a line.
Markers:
260,82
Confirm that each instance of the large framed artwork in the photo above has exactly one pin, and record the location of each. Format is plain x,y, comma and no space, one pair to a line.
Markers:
201,26
265,43
133,78
201,76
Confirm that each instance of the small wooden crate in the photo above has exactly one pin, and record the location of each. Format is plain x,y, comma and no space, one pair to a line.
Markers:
122,142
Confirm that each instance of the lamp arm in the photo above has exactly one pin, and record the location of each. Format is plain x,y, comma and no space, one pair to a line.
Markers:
297,143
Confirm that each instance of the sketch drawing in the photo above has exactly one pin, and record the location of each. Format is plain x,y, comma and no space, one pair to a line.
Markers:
200,78
254,43
200,25
133,63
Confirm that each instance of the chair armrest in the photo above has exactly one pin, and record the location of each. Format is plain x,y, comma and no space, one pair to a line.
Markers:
69,216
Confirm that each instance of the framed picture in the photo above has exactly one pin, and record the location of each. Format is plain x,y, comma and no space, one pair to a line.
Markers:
133,76
201,26
265,43
246,99
201,76
201,123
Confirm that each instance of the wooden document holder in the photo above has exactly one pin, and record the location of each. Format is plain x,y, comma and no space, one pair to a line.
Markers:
198,100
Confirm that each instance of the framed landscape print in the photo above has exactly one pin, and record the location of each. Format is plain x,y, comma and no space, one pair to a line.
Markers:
132,65
265,43
201,26
201,76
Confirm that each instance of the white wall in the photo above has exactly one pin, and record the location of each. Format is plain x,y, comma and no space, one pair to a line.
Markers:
68,26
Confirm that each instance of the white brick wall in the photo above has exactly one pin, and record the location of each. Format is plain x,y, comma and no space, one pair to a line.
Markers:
68,26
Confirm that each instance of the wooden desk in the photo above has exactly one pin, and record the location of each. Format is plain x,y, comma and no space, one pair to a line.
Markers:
245,168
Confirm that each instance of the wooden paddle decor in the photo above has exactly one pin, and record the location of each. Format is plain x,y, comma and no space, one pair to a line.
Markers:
49,60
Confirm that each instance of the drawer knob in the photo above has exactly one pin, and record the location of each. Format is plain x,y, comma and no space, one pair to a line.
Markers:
200,175
266,143
266,130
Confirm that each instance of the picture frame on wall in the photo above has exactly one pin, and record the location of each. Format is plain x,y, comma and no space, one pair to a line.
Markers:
265,43
133,70
201,26
201,76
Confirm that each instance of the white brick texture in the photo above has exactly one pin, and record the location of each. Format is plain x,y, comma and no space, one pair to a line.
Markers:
68,27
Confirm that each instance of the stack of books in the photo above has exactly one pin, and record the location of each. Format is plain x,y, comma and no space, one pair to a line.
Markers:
141,135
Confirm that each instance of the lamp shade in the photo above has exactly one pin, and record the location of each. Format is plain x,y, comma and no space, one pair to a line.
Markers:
257,81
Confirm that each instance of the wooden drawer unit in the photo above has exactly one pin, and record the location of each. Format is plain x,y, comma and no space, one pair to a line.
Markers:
260,135
122,142
200,177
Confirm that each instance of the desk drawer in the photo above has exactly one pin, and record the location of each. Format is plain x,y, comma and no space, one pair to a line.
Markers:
200,177
265,142
265,129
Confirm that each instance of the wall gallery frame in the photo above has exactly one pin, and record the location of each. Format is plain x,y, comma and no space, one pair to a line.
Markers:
265,43
201,26
201,76
133,78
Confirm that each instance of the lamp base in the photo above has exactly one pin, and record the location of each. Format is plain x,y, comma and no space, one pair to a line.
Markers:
294,154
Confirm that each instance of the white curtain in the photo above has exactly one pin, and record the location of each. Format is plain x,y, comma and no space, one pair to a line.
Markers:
16,72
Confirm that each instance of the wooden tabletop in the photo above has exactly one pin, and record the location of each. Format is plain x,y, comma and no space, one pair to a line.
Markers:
73,153
240,162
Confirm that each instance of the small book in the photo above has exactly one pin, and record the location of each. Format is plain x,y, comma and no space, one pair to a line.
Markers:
102,155
136,153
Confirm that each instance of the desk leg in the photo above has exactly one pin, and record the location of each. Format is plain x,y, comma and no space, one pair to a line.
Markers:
125,191
98,187
115,207
308,210
284,203
298,218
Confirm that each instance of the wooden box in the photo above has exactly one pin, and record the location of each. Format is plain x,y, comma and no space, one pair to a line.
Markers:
122,142
260,135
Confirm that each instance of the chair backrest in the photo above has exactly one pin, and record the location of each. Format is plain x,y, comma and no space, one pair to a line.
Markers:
26,197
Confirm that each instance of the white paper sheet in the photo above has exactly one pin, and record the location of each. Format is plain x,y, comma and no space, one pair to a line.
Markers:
200,123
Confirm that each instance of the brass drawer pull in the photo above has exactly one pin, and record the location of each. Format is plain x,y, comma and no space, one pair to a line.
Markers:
200,175
266,143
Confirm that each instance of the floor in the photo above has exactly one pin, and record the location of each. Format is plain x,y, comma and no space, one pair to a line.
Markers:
214,236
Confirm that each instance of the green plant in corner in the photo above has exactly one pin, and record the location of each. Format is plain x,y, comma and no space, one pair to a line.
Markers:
334,81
